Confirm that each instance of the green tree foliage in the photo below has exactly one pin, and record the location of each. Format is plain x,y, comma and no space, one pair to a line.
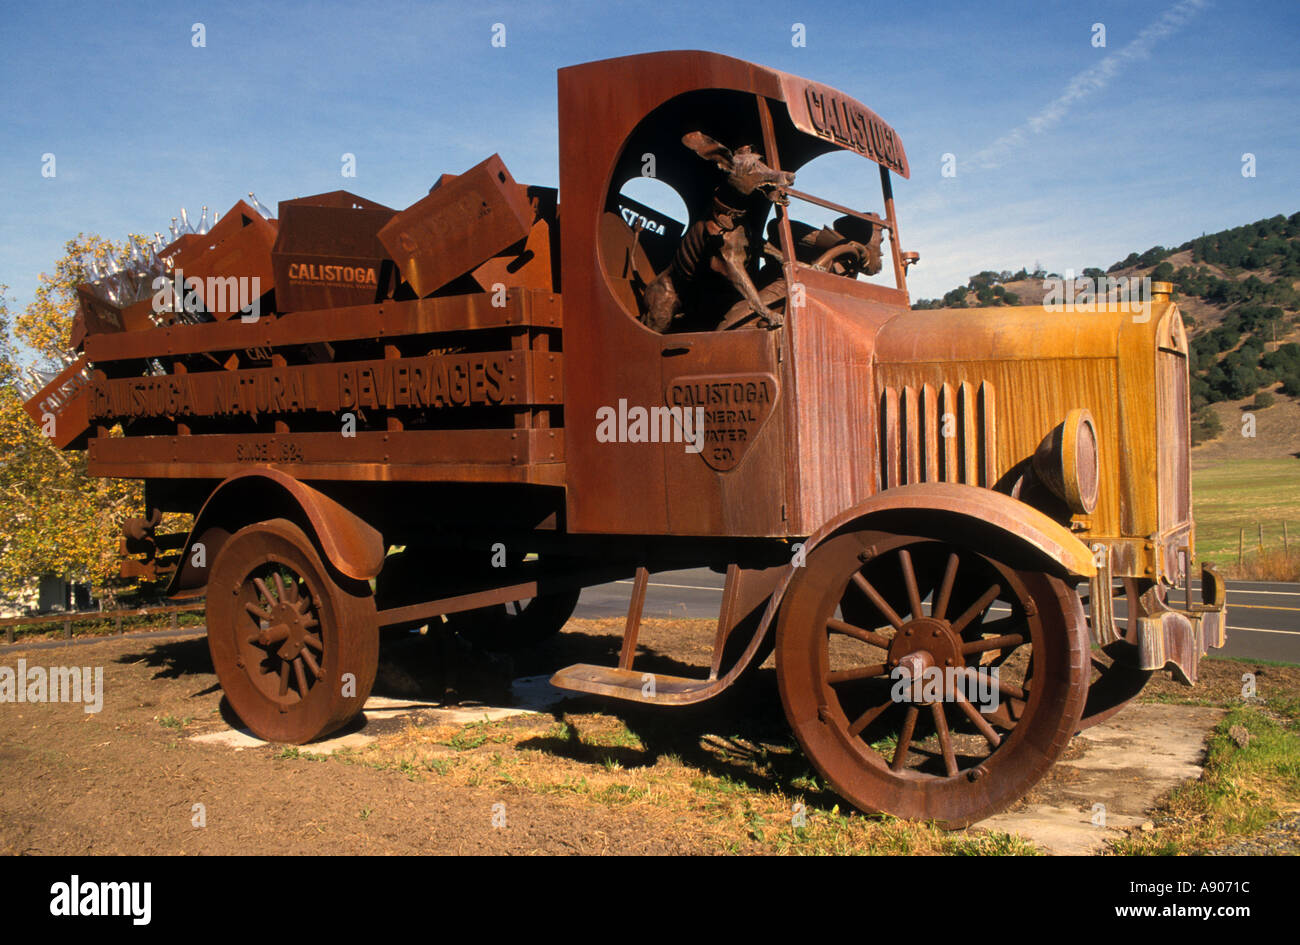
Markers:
1205,425
1253,279
1284,365
54,517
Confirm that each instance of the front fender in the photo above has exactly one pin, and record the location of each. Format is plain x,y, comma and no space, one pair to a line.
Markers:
979,509
992,515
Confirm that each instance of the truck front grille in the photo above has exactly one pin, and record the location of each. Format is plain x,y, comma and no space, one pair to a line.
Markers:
913,444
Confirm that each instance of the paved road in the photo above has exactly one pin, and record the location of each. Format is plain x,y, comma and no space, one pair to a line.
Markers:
1263,618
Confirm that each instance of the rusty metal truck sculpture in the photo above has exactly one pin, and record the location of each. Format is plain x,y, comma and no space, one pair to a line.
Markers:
894,496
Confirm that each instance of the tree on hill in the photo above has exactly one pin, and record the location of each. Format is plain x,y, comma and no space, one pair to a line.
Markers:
1126,263
1205,425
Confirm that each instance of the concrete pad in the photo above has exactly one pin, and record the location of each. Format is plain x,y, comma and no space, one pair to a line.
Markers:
1126,765
241,738
532,694
536,694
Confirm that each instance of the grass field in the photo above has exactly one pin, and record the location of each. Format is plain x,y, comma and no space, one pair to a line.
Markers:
1235,494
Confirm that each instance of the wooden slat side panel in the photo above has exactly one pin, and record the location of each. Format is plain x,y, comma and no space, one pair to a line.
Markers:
386,319
434,456
446,382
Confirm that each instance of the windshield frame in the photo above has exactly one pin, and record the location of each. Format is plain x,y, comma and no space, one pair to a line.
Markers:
888,223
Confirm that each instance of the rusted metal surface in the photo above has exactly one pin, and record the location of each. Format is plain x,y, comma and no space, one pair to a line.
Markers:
839,677
296,651
542,583
633,627
1115,365
415,381
462,222
351,545
238,247
523,309
327,252
62,406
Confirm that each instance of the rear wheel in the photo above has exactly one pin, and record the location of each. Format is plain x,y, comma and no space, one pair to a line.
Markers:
296,651
999,653
518,624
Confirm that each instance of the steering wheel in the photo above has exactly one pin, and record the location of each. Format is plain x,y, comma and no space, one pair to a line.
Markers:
856,251
741,315
855,258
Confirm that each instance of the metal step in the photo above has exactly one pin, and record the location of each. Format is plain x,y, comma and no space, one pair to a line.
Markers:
633,685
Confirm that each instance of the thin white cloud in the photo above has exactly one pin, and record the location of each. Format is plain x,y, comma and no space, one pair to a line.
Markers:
1088,82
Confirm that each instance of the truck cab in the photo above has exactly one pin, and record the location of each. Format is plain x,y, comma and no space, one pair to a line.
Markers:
782,447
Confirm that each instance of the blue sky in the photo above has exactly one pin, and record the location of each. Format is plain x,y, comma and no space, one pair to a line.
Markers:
1117,148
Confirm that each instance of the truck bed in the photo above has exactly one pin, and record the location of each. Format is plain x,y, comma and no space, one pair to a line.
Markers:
445,389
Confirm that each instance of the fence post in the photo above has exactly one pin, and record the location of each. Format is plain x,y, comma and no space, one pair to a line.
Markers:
1241,543
9,634
175,620
117,623
1260,525
67,628
1286,544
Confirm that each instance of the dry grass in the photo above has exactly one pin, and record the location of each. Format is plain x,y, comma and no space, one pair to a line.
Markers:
734,794
1251,779
1244,787
1270,566
734,779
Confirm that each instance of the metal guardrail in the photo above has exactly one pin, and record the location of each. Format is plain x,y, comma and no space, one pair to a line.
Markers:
9,623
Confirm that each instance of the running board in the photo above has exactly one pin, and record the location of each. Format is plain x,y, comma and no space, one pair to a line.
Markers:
632,686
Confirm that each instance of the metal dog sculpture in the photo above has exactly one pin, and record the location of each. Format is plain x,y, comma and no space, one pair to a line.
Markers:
717,242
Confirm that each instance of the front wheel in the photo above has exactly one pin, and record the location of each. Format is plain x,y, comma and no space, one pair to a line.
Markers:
927,678
295,650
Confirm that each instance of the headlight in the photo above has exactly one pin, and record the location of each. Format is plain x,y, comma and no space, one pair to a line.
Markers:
1067,463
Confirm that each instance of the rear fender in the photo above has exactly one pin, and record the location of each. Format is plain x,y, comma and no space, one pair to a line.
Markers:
348,544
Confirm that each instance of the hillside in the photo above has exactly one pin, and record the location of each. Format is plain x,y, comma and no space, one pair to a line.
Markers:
1239,292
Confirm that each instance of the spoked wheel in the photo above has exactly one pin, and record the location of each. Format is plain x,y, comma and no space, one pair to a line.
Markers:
1116,677
928,679
296,652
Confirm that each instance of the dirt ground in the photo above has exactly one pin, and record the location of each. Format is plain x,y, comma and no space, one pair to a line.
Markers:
588,777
